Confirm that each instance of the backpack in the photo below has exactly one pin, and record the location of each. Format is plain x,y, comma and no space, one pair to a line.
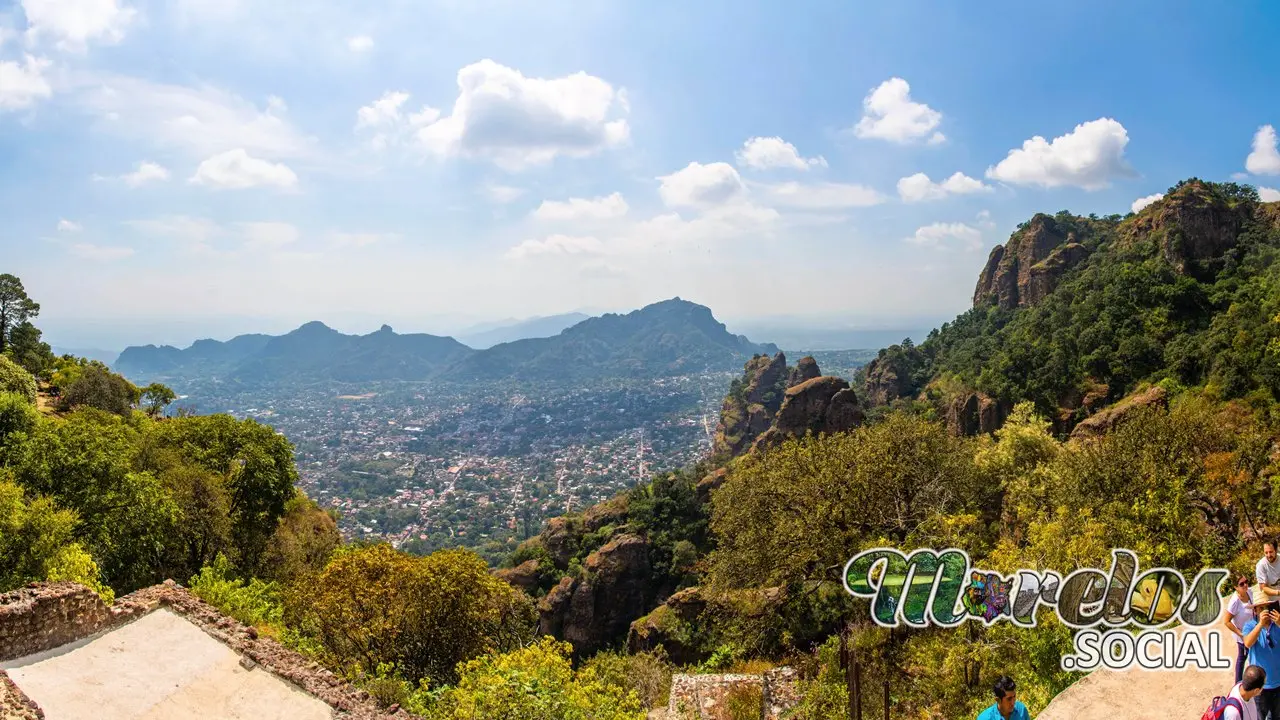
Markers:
1218,708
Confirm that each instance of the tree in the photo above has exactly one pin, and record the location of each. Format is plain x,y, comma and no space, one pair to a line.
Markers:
37,542
15,308
97,387
29,351
15,379
156,397
423,615
302,543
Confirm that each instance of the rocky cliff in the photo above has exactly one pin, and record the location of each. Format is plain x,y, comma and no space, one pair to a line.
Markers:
1027,268
1193,226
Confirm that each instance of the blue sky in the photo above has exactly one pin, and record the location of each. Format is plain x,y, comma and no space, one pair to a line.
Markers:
208,167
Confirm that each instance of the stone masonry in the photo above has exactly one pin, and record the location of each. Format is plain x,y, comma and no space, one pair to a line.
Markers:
701,697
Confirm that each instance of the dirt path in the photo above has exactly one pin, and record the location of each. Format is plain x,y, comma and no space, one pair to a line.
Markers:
1138,694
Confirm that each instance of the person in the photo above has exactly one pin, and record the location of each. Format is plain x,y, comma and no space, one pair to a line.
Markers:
1245,691
1263,641
1235,613
1268,570
1008,706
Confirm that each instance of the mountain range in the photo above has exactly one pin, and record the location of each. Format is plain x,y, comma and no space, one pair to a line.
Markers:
672,337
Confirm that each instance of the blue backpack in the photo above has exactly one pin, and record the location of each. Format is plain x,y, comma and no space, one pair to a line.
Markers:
1218,707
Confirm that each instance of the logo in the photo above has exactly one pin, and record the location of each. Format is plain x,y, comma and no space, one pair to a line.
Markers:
1118,614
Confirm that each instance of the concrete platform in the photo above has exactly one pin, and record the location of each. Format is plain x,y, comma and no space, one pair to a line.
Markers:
158,667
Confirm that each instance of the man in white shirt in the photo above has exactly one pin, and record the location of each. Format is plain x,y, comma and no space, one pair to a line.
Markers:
1269,570
1245,691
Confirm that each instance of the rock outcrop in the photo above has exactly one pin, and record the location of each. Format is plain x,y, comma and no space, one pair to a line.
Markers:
1106,419
1193,226
524,576
975,414
823,404
592,610
806,369
1026,269
667,627
710,482
560,538
749,408
893,374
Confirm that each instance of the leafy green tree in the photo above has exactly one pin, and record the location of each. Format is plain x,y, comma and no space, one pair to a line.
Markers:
15,308
422,615
38,542
156,397
15,379
97,387
28,350
533,683
303,541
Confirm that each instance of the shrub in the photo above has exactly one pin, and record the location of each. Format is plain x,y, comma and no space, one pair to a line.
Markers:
14,379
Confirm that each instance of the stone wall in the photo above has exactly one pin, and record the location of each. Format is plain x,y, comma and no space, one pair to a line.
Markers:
701,697
14,704
43,616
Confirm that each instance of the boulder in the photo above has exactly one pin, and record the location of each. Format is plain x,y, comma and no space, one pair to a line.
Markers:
669,627
746,414
1106,419
812,406
610,512
805,370
523,576
843,413
709,483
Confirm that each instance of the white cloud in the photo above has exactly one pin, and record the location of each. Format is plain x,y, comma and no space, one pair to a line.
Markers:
184,228
21,85
889,113
517,121
69,226
554,245
102,253
821,196
1088,157
202,120
503,194
601,208
359,240
386,122
1269,194
237,170
268,235
698,185
1265,158
143,173
360,43
937,234
73,23
1144,201
764,153
919,188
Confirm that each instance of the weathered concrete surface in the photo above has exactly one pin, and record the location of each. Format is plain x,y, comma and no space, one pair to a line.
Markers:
159,666
1138,694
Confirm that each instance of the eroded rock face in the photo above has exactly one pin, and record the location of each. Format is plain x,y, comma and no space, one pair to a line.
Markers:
1106,419
1017,273
805,370
1192,226
975,414
744,416
823,404
666,627
523,576
560,538
614,589
710,482
892,374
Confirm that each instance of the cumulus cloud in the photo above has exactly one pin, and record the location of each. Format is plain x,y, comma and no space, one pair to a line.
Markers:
601,208
821,196
938,234
698,185
890,114
200,120
554,245
1269,194
237,170
101,253
1144,201
386,122
763,153
69,226
360,43
1088,157
22,84
516,121
143,173
72,24
1265,158
919,188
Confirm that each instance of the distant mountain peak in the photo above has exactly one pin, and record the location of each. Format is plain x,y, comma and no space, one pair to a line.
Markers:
386,329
